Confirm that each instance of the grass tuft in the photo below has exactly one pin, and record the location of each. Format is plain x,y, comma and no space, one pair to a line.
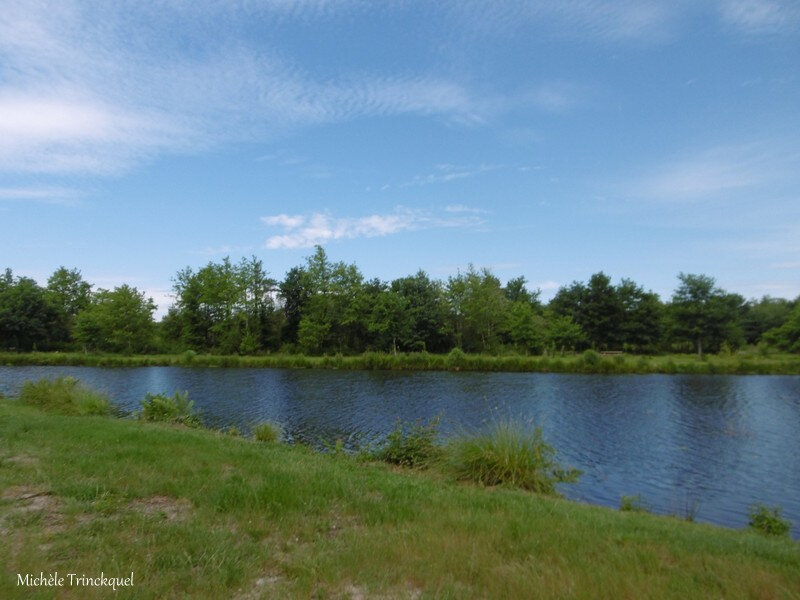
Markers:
166,409
633,504
267,432
66,396
411,444
769,520
509,455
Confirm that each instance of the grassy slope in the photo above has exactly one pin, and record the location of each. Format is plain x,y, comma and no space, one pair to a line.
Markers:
740,363
197,513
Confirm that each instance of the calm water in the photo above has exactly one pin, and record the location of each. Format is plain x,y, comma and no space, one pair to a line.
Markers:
719,443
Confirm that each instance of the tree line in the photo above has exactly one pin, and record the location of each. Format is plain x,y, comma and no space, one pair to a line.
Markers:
324,307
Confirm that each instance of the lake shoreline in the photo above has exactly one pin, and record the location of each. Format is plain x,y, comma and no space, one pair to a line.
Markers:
215,516
589,362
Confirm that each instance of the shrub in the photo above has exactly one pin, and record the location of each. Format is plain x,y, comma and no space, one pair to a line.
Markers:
591,358
769,521
509,455
232,431
633,504
177,409
65,395
267,432
411,444
455,358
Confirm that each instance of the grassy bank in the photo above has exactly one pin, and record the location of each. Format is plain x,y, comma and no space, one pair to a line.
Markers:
589,362
195,513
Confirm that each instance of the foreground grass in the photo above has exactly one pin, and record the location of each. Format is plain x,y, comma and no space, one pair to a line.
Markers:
750,363
198,514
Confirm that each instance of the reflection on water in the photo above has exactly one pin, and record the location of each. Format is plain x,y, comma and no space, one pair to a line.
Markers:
720,442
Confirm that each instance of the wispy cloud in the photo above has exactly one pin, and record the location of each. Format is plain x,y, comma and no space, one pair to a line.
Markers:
305,231
44,194
462,208
761,16
82,91
718,170
600,19
444,173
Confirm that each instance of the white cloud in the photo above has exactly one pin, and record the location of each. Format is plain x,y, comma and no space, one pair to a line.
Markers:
99,87
320,228
445,173
761,16
461,208
602,19
45,194
716,171
287,221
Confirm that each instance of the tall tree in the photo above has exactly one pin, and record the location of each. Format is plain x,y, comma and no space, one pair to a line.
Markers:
28,318
391,319
428,310
787,335
704,314
642,316
120,320
596,307
69,294
478,309
759,316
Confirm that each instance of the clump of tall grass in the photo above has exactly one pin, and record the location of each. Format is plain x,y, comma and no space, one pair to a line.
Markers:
769,520
411,444
175,409
66,396
633,504
509,455
267,432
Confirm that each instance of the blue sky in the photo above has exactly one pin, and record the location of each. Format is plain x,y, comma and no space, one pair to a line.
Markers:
545,139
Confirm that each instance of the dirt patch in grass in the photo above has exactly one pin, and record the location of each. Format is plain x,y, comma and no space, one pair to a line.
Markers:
172,509
23,460
26,500
263,587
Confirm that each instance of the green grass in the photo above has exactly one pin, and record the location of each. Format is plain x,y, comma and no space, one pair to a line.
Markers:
267,432
744,362
169,409
411,445
64,395
509,455
195,513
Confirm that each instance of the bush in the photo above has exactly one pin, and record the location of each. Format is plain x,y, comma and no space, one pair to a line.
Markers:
591,358
177,409
65,395
509,455
267,432
769,521
411,444
633,504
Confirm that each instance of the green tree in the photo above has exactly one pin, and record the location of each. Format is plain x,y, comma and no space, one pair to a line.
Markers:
428,310
28,318
596,307
69,294
759,316
642,317
704,314
526,328
391,319
787,336
120,320
478,309
562,333
516,291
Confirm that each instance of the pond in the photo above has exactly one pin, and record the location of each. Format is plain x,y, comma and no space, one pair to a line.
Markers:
711,445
